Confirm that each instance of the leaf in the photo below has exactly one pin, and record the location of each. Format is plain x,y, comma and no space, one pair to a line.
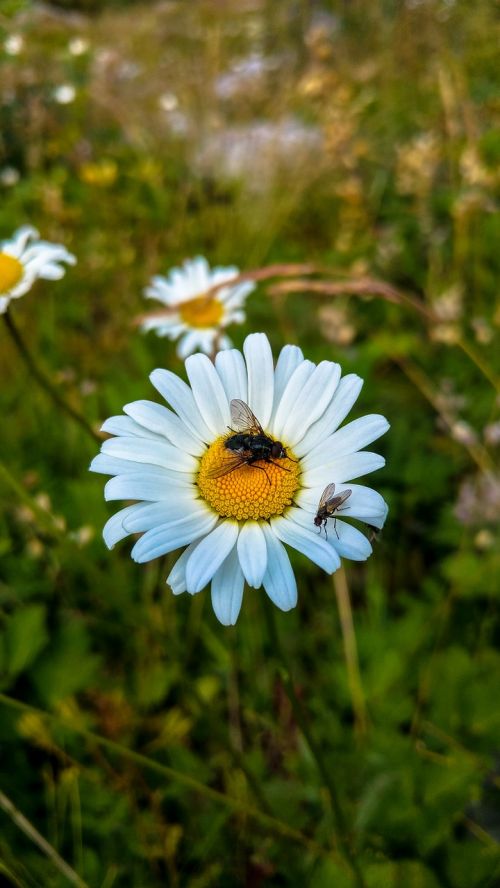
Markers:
410,873
67,666
25,636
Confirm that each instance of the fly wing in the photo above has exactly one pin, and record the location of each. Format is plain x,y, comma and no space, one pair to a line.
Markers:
242,418
229,464
341,498
328,494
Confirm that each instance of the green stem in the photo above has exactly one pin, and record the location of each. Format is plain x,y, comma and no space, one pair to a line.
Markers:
44,380
274,825
477,359
32,833
350,651
302,721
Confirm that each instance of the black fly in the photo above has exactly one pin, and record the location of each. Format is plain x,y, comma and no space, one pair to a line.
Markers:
249,444
330,503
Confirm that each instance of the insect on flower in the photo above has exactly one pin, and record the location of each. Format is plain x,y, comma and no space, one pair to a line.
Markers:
237,528
330,503
249,444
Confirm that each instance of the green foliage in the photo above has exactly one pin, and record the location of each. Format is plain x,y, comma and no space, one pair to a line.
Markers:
24,637
133,176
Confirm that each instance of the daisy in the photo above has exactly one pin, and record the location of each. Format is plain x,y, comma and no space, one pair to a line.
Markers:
197,318
23,259
236,520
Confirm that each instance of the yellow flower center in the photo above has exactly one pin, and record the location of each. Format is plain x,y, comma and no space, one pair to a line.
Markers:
11,272
202,311
254,491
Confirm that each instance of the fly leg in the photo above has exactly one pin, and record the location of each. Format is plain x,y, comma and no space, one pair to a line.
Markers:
283,469
261,469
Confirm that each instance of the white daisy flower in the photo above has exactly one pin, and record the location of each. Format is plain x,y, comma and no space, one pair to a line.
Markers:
24,258
234,517
64,94
197,318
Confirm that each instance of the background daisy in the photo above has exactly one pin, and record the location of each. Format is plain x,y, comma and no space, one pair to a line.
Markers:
196,319
24,258
234,524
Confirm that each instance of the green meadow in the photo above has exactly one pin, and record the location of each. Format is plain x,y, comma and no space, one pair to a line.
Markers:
345,152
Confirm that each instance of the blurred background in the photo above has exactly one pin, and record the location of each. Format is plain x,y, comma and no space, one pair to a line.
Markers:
356,135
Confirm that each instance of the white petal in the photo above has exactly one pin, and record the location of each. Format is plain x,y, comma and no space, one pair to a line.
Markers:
199,271
363,503
279,579
23,286
177,576
224,340
235,297
124,425
227,590
151,484
305,541
162,421
158,289
350,542
112,465
16,246
260,372
288,401
252,552
149,515
345,468
193,340
172,535
349,439
170,327
155,453
208,393
114,530
180,397
290,357
52,272
209,555
345,396
312,401
232,371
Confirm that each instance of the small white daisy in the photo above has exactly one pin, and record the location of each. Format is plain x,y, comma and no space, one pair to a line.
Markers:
197,318
234,519
64,94
14,44
78,46
24,258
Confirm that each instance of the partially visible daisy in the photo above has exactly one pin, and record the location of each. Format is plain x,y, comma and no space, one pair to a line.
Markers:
190,315
24,258
235,518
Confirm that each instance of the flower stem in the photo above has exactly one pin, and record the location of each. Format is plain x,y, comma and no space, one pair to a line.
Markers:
477,359
32,833
350,650
44,380
316,752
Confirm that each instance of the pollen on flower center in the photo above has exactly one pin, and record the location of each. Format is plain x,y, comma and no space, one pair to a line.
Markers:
258,491
202,311
11,272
